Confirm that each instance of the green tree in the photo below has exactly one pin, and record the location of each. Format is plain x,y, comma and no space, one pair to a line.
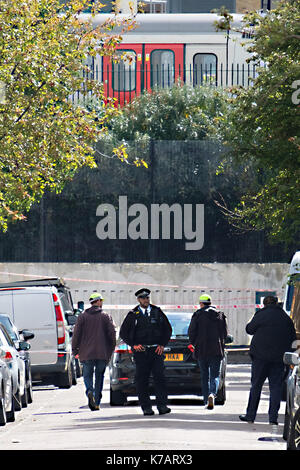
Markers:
44,139
261,128
178,113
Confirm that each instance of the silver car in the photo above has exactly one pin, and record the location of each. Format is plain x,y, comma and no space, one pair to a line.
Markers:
291,431
7,411
20,341
16,365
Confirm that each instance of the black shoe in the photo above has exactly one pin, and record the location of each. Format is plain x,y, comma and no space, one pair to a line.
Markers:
92,404
164,410
148,412
275,423
246,418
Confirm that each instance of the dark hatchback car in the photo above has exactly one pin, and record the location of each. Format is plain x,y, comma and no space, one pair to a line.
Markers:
18,338
181,368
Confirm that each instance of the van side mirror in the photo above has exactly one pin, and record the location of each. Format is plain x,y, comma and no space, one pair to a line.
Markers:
24,346
291,359
80,305
229,339
27,334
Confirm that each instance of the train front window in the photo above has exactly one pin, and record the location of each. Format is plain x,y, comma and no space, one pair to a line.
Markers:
204,69
123,72
162,68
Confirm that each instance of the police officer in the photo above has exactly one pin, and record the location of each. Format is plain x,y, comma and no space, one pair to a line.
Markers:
147,330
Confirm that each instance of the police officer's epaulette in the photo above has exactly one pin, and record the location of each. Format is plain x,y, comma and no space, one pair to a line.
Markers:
135,310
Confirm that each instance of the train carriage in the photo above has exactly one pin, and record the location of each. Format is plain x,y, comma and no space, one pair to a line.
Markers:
167,47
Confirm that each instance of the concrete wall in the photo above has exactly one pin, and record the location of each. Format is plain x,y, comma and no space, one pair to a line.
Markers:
233,287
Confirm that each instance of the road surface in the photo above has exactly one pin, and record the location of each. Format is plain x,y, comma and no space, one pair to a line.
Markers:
60,419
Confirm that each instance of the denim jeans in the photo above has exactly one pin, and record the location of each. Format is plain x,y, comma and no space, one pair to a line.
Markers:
210,375
94,368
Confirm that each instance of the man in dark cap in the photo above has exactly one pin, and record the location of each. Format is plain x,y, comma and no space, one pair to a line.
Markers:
273,334
147,331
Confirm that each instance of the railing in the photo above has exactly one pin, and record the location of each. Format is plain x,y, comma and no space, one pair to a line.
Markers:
124,82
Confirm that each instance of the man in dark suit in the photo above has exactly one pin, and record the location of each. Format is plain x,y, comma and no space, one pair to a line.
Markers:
147,330
273,334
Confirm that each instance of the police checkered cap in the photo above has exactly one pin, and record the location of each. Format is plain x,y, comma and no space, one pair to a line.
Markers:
142,293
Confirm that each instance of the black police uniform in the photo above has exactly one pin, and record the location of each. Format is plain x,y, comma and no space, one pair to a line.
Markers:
149,330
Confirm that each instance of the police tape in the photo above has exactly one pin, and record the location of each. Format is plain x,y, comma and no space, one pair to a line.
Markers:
48,351
131,283
184,307
61,353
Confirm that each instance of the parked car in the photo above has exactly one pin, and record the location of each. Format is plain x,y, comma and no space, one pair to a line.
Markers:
291,431
19,338
43,307
16,365
181,368
7,412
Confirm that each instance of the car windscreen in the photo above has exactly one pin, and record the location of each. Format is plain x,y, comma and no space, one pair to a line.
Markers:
9,327
180,323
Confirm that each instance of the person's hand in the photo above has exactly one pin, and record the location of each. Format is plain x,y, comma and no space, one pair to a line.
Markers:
139,347
159,350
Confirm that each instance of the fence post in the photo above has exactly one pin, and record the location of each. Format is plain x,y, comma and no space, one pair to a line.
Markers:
152,190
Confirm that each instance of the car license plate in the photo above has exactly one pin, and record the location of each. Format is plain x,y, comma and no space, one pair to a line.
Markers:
174,357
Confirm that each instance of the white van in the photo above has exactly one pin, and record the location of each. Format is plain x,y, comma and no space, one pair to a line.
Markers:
40,310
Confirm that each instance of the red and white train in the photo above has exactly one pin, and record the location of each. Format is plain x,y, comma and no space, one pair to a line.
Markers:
168,47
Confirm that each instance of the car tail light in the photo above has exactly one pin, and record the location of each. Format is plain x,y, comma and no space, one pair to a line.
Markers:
7,356
123,349
60,324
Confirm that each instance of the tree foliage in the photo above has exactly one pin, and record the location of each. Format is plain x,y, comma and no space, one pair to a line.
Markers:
261,128
177,113
44,139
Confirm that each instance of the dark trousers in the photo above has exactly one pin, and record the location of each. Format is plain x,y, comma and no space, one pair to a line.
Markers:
274,372
149,363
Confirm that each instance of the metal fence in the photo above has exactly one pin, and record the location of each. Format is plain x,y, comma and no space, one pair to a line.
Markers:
125,82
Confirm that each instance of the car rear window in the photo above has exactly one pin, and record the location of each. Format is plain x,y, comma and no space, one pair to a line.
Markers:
180,324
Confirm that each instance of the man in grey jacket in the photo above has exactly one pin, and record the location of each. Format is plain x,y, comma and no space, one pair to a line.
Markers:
94,340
